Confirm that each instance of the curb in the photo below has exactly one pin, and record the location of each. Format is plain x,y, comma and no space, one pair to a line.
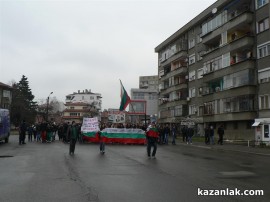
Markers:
225,149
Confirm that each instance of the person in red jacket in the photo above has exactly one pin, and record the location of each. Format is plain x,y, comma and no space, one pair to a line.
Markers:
152,138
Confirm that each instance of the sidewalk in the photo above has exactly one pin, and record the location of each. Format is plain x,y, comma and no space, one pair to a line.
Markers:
229,147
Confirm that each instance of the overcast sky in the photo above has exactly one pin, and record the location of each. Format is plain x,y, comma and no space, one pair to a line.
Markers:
65,46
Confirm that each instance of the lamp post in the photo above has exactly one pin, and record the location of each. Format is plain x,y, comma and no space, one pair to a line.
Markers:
47,110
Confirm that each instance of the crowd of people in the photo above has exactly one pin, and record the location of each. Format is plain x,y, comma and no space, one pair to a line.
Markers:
45,132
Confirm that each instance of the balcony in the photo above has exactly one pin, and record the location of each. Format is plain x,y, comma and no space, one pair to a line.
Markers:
176,72
173,88
173,103
236,66
216,94
242,19
180,54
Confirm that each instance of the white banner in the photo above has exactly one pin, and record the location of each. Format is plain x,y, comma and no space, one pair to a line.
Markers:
117,118
90,125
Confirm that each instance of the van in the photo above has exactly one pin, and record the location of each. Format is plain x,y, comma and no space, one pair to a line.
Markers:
4,125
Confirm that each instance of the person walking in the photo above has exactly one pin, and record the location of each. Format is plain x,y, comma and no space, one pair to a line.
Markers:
152,138
22,132
211,134
190,132
173,134
184,133
73,137
30,133
101,142
220,134
166,134
207,135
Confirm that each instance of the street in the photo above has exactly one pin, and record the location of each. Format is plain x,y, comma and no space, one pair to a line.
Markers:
46,172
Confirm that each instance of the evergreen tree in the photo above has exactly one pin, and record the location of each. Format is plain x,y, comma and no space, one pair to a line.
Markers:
23,107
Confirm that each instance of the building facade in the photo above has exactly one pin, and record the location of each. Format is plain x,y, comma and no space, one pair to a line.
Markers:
144,99
5,96
215,69
82,104
148,82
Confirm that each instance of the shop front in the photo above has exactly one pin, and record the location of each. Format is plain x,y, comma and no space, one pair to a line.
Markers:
262,130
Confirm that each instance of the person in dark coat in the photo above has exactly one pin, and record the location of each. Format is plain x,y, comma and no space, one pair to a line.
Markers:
184,133
73,137
211,134
152,135
220,134
207,134
22,132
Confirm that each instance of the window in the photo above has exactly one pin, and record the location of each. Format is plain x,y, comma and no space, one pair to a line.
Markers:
260,3
74,114
91,97
226,60
191,75
191,43
199,38
264,50
178,111
192,109
214,23
192,92
264,102
200,73
191,59
224,38
209,108
264,75
263,25
138,96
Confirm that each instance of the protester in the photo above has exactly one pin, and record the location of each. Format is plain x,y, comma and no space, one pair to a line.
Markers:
73,131
220,134
22,132
30,133
101,143
173,134
207,135
190,133
166,134
184,133
152,137
211,134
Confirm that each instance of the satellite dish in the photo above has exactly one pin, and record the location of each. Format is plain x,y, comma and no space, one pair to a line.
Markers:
214,10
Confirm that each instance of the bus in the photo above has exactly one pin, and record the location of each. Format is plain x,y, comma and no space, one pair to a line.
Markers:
4,125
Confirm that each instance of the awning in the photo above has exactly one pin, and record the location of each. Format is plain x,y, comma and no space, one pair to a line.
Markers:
256,123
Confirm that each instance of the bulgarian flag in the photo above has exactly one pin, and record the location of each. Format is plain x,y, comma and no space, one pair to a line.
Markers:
152,132
125,99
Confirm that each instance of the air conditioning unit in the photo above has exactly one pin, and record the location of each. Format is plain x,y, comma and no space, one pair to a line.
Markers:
188,98
186,77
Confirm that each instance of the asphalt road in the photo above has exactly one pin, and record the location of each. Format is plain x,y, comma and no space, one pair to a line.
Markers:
46,172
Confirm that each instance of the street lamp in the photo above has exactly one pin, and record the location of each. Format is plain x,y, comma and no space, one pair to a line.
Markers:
47,112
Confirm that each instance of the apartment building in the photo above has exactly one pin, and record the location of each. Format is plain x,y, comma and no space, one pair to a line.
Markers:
148,82
144,99
215,69
5,96
81,104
